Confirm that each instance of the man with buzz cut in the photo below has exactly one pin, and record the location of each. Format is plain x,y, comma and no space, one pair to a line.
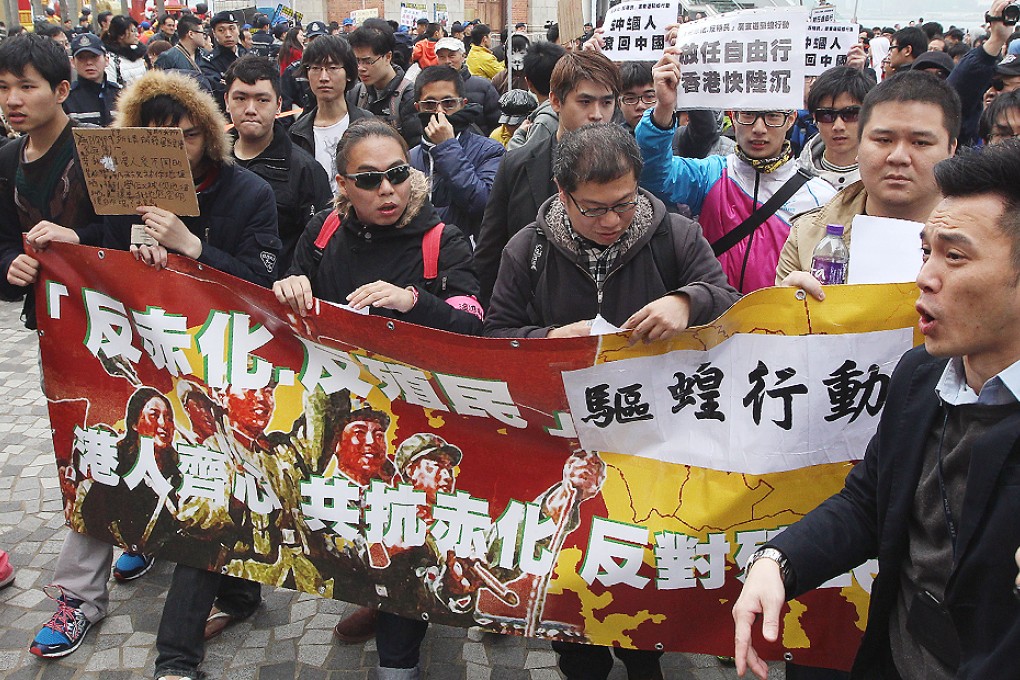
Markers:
300,185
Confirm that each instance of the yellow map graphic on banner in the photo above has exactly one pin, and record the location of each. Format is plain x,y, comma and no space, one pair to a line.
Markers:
454,478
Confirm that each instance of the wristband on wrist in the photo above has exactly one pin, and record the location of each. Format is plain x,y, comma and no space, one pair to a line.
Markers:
414,293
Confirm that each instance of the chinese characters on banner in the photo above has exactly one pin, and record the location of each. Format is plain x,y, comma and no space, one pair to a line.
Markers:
636,30
755,403
357,457
821,14
750,60
827,45
410,12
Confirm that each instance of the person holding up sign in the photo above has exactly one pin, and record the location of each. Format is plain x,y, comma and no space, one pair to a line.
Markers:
745,200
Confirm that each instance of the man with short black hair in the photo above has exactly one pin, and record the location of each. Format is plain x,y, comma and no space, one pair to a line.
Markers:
294,87
461,164
725,191
382,89
93,96
191,39
834,103
906,126
907,45
328,63
300,185
103,21
584,89
1001,120
480,60
604,247
262,38
935,497
168,29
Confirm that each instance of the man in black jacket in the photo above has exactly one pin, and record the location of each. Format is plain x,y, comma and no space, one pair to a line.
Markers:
604,248
936,496
585,86
300,185
93,96
330,65
227,34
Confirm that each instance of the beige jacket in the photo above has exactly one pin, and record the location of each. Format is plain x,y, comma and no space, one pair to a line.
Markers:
809,228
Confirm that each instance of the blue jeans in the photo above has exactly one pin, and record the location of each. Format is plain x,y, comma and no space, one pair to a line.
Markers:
180,641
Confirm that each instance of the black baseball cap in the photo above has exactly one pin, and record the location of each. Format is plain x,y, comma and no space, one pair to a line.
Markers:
87,42
225,17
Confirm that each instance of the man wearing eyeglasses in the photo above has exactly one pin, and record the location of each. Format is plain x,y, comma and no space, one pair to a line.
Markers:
834,103
330,65
1001,120
725,191
460,163
382,89
602,248
183,56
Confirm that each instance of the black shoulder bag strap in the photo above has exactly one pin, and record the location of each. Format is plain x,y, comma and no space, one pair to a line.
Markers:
758,217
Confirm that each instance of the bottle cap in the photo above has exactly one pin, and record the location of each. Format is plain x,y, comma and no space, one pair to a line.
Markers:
836,229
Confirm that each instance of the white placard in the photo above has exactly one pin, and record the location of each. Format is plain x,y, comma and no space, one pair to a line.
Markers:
753,404
410,12
636,30
884,250
827,45
747,60
821,14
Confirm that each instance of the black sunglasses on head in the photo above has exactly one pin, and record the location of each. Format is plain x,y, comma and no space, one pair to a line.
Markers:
372,180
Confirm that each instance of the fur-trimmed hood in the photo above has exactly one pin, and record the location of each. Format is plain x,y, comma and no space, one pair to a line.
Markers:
202,109
419,195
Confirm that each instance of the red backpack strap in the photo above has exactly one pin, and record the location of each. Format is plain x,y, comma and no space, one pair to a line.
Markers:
329,228
430,251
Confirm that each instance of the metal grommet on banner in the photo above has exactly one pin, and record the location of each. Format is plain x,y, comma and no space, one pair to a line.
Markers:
424,616
787,656
515,343
223,569
800,294
390,325
41,332
102,254
659,646
322,590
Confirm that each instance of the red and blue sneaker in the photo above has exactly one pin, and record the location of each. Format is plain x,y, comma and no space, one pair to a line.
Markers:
65,630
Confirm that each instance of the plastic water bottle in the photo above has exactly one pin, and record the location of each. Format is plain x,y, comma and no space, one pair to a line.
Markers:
830,258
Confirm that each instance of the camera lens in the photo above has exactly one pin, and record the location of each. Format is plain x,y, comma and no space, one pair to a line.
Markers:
1011,15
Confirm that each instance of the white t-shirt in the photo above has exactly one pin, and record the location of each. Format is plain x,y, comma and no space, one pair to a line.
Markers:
326,139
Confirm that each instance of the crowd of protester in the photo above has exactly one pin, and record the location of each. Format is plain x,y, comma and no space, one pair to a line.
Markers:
650,215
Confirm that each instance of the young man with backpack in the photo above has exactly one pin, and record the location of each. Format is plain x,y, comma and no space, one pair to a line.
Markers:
602,247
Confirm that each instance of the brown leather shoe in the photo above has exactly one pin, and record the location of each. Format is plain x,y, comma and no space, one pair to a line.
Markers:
358,627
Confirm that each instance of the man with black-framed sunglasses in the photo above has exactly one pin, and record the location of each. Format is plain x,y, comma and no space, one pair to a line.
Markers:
834,103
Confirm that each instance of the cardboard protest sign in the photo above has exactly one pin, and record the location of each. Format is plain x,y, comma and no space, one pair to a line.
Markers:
636,30
570,18
128,167
746,60
827,45
446,477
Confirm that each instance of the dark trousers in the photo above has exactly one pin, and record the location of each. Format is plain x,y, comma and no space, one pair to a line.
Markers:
398,640
592,662
180,642
796,672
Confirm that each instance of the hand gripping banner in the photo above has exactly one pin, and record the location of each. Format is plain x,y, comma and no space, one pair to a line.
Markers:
581,489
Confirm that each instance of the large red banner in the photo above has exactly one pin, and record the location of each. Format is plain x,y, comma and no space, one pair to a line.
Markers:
429,474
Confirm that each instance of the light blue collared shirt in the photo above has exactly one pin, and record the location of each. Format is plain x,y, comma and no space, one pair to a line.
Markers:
1000,389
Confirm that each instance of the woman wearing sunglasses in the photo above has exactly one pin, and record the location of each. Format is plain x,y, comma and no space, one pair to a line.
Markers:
370,250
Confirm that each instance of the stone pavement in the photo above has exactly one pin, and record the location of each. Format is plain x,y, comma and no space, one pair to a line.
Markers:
290,637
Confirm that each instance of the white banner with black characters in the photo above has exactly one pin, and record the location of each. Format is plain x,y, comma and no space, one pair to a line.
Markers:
410,12
827,45
747,60
754,404
636,30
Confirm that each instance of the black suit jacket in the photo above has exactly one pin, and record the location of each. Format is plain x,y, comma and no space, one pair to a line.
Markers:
522,184
870,516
